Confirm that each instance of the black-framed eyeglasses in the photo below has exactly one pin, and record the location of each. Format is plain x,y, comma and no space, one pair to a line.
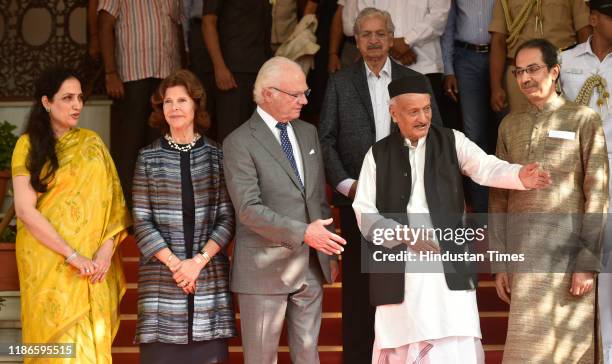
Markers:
530,70
295,95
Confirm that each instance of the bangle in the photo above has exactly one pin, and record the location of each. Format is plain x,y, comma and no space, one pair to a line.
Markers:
169,259
71,257
206,256
198,258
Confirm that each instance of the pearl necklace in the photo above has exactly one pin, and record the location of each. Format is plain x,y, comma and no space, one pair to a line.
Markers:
185,148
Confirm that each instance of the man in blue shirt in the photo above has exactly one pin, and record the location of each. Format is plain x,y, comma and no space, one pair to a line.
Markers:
465,51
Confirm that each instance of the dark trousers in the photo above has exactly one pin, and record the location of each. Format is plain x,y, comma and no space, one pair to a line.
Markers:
130,130
199,64
235,106
450,111
227,109
357,313
479,121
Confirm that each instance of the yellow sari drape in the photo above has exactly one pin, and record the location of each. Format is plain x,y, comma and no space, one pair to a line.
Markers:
85,205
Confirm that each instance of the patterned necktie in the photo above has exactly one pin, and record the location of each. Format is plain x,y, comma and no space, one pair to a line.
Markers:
288,149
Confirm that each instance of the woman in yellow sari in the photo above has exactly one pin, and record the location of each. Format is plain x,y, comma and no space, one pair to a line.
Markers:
71,217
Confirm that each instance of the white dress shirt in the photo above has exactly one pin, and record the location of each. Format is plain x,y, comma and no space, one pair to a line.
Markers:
580,63
349,14
379,95
271,123
430,310
421,24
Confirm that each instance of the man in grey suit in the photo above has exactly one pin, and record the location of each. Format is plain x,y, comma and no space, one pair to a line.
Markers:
355,114
284,250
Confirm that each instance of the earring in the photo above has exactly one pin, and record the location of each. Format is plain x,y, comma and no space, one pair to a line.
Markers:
47,109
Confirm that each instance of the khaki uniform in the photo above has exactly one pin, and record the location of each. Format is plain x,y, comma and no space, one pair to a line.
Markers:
560,20
284,21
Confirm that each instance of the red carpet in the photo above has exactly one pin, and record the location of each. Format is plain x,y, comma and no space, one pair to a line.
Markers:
493,321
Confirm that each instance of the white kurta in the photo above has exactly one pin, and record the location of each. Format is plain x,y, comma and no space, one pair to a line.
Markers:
430,310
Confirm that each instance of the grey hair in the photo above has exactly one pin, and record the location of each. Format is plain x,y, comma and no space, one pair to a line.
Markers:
371,12
270,73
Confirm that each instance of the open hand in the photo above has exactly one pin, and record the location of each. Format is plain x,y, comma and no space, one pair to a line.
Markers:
498,99
321,239
532,176
224,79
450,86
502,286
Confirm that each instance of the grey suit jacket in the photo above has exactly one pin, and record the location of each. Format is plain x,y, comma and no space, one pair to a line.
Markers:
347,128
272,210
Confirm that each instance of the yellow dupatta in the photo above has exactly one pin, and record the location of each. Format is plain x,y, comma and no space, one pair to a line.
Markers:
85,205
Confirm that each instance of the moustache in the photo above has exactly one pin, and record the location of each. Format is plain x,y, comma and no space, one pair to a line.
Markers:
529,84
374,46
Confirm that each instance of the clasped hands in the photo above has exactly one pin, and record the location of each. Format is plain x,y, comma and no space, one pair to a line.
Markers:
185,272
97,267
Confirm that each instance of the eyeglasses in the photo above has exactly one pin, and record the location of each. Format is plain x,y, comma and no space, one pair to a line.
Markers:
530,70
294,95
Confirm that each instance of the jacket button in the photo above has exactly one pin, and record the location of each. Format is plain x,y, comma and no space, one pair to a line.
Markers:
403,197
405,174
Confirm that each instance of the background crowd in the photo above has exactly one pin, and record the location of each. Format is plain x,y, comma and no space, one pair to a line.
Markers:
218,152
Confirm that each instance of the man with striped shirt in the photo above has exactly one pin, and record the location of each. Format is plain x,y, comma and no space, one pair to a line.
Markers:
141,43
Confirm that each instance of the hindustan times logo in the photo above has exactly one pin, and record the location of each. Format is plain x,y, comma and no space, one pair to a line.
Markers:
409,234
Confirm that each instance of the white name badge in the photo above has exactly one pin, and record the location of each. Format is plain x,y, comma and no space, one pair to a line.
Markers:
560,134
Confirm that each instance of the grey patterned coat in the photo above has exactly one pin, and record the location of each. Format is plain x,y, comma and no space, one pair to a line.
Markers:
158,224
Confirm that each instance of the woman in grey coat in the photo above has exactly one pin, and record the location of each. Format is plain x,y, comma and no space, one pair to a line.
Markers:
183,222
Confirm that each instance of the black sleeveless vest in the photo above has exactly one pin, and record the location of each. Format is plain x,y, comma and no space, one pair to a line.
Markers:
444,194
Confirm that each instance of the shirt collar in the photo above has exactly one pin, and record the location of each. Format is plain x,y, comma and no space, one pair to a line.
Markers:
386,70
420,143
585,48
550,106
269,119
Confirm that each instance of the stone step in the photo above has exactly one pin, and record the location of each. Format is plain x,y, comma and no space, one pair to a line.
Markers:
327,355
493,326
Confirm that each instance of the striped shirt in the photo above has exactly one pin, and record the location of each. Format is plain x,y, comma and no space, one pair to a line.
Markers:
468,21
146,37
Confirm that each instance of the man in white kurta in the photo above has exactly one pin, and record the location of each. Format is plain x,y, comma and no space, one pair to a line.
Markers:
432,322
587,68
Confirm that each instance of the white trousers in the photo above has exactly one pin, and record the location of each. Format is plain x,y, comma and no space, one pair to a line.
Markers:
448,350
